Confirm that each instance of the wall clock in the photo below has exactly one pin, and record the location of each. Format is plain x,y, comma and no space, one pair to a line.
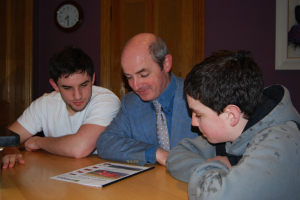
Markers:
68,16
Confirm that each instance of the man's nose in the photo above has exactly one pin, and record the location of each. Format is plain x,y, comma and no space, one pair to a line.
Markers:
77,94
136,84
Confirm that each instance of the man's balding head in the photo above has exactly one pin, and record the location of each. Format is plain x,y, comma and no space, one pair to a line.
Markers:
146,41
146,63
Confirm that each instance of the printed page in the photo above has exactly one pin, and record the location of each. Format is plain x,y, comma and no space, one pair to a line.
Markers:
101,175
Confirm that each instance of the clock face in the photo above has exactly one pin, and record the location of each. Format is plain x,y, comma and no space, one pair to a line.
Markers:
67,16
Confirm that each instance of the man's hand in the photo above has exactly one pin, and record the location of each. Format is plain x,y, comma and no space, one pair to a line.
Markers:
223,159
31,144
10,156
161,156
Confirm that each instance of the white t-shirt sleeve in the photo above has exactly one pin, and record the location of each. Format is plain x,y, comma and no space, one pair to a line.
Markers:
49,114
102,109
31,119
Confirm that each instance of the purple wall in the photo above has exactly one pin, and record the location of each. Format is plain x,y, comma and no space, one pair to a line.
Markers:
249,25
231,24
48,39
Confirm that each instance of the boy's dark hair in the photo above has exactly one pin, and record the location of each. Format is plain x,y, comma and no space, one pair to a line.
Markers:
68,61
224,78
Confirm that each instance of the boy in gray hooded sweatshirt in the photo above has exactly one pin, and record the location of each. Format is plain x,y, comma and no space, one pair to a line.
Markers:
250,143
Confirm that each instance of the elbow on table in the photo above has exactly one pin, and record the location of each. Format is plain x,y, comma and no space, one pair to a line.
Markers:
81,153
79,156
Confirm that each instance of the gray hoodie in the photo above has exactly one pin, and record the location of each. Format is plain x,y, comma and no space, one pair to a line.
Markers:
270,163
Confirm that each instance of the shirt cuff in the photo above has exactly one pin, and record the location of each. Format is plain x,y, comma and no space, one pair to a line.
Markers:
150,155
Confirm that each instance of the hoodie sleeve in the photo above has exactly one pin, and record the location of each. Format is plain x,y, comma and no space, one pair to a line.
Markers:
187,155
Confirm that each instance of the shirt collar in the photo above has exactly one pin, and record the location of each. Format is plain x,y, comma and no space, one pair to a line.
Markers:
167,96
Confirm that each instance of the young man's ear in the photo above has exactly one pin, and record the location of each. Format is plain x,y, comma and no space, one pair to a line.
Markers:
168,63
234,114
93,79
54,85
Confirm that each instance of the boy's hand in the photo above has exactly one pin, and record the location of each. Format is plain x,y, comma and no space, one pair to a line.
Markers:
223,159
11,155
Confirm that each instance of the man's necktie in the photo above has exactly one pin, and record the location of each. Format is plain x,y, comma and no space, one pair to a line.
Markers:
161,127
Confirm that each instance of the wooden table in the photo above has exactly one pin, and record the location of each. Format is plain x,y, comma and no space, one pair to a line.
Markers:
31,181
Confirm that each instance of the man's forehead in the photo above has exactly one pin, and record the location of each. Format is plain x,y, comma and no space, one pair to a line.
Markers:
135,55
137,65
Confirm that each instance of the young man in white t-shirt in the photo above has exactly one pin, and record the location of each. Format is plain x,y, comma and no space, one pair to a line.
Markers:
72,117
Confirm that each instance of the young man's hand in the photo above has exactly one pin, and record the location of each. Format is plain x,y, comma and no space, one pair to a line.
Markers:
11,155
223,159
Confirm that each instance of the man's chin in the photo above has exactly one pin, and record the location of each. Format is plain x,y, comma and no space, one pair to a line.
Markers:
78,108
145,96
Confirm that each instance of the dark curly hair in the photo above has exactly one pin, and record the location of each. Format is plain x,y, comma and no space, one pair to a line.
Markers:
224,78
68,61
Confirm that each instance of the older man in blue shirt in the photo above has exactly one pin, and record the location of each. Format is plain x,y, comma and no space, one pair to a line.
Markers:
132,135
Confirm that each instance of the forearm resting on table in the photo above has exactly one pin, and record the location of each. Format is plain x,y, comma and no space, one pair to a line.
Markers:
78,145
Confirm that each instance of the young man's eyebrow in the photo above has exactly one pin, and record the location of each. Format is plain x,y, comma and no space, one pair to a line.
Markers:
80,84
85,82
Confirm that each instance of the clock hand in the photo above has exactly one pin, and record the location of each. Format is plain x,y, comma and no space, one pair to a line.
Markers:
67,18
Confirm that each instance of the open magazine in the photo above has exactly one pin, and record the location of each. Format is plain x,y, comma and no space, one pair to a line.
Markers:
101,175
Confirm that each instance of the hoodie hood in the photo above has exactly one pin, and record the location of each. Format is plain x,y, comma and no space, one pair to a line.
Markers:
276,108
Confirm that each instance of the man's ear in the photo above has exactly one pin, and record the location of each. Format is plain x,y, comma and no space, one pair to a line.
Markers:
54,85
93,79
168,63
233,114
